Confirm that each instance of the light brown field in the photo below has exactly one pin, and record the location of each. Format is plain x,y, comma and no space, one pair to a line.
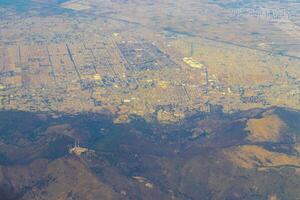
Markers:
252,156
267,128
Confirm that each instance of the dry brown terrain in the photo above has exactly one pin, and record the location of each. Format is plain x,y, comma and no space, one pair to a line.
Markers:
252,156
267,128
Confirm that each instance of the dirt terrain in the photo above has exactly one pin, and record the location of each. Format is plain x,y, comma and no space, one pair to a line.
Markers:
141,160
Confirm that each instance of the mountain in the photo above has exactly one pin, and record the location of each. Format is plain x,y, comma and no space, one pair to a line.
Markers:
252,154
